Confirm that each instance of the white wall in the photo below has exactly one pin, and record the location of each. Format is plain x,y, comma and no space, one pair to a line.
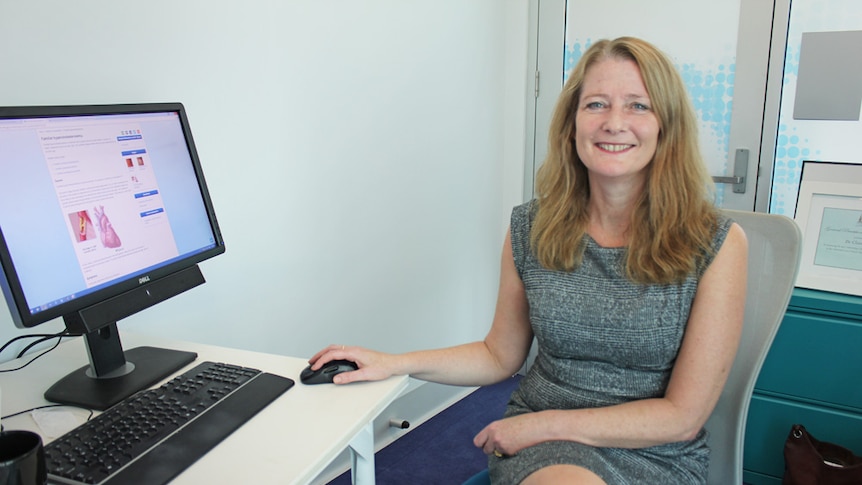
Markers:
363,156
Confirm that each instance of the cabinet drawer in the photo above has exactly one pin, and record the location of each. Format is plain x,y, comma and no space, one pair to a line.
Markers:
751,478
815,357
769,422
836,304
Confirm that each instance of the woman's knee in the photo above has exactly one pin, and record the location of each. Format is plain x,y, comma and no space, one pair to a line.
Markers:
563,474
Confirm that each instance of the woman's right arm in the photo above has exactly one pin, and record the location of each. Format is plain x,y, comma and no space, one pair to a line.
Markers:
497,357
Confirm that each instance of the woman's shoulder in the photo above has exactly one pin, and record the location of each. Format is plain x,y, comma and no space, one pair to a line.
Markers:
525,209
520,226
724,222
722,229
522,215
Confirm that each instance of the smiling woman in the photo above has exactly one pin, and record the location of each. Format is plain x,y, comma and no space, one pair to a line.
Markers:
621,255
616,269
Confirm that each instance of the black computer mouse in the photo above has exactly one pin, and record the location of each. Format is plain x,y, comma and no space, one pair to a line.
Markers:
325,374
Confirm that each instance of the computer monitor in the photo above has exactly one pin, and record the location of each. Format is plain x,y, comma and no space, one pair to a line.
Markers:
104,212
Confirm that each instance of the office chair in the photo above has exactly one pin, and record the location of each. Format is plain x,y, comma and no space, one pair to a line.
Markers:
774,251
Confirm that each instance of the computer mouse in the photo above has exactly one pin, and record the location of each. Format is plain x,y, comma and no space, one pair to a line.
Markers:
325,374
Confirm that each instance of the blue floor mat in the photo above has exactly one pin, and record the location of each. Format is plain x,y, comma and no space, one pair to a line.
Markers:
440,451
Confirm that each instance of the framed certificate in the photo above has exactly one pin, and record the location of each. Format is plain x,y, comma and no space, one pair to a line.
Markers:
829,213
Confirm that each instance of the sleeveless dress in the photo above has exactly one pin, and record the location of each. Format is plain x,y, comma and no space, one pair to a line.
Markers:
602,340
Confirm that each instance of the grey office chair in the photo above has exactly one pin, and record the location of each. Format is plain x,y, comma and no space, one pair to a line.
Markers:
774,250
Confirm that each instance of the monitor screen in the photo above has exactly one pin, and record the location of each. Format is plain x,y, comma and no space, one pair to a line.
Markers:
104,211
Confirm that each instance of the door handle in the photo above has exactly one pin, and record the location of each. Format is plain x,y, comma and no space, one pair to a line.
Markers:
740,168
728,180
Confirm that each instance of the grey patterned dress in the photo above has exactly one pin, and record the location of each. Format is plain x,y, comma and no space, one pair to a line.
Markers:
602,340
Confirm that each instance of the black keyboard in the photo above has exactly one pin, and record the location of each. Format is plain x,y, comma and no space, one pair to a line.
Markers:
152,436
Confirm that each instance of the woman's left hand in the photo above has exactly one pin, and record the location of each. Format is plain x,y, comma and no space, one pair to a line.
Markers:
508,436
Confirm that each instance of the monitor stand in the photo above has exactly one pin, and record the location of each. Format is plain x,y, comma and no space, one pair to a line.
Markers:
114,374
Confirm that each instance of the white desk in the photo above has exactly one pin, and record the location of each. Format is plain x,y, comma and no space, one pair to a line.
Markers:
290,442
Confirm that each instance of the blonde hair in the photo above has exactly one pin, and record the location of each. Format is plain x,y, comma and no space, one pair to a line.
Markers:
674,221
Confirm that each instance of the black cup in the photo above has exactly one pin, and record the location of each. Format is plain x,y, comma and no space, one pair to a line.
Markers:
22,458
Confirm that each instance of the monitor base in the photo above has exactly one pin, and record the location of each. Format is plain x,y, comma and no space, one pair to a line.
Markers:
151,365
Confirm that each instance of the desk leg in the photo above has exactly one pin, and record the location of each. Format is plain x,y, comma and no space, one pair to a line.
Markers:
362,456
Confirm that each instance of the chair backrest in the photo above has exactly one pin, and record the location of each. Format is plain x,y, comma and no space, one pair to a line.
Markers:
774,250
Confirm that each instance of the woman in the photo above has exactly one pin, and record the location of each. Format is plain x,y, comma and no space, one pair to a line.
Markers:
627,275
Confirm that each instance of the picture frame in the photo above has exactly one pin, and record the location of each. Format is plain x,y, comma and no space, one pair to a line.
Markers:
829,214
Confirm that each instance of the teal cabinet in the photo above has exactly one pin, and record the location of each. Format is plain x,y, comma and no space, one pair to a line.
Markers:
812,376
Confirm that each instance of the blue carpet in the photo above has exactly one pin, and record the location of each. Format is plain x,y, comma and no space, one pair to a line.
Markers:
440,451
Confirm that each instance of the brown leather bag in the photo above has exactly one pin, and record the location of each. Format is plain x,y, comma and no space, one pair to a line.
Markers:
808,461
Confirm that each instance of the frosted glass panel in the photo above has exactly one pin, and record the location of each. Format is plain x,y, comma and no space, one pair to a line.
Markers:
814,139
829,84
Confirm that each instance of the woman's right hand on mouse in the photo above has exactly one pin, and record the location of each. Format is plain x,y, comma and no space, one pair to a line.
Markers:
373,366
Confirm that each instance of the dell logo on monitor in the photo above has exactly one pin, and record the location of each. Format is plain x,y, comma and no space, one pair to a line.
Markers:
143,279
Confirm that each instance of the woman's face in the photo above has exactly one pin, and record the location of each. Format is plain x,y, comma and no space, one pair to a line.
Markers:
616,129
